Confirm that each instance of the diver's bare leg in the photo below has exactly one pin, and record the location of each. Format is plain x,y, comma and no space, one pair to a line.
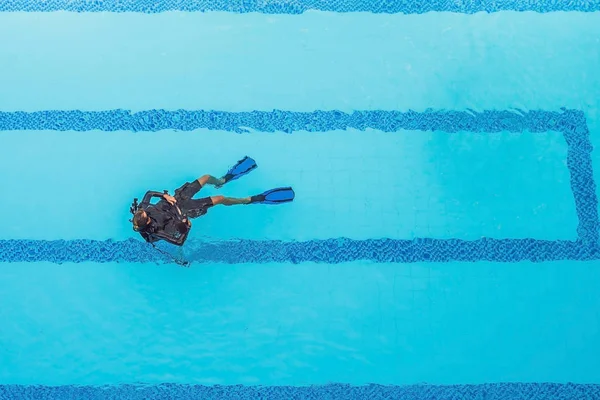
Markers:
229,201
211,180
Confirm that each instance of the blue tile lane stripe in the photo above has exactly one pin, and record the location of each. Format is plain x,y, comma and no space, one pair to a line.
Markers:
330,251
583,186
571,123
530,391
292,121
300,6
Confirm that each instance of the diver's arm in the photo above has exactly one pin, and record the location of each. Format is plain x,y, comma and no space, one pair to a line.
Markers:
149,195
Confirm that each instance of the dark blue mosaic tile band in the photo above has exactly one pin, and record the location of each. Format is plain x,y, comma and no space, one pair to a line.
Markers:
330,251
583,186
300,6
292,121
495,391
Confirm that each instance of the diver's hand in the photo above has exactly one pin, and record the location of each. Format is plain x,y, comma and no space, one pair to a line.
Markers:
170,199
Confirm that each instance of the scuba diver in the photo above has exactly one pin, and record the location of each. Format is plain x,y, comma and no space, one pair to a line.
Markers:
169,218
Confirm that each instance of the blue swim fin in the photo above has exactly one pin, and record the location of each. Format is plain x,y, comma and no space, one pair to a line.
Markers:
274,196
241,168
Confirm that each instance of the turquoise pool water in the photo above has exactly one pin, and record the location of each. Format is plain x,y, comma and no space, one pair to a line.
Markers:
331,309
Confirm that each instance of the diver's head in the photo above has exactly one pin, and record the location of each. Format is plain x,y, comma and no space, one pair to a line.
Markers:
140,220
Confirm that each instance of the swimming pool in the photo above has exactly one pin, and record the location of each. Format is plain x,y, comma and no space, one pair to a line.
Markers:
444,237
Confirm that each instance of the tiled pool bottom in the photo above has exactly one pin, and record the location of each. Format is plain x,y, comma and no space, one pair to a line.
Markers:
571,123
299,6
512,391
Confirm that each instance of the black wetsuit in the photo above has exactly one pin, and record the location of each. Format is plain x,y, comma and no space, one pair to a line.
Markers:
167,220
